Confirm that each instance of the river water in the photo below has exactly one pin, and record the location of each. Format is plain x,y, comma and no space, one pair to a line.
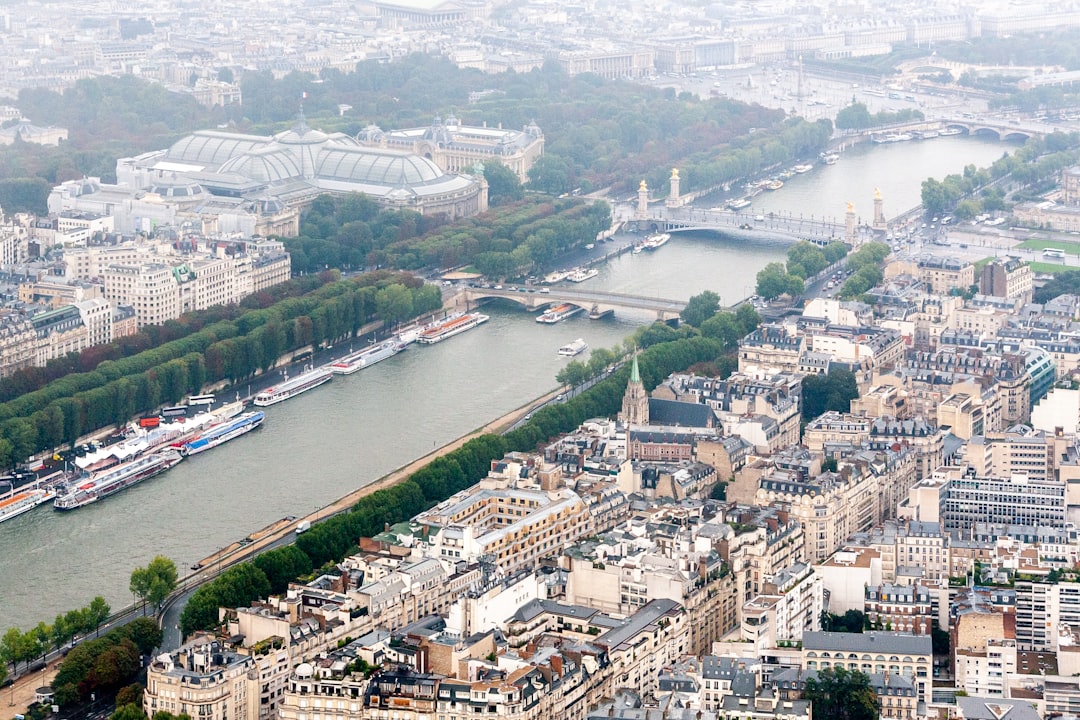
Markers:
326,443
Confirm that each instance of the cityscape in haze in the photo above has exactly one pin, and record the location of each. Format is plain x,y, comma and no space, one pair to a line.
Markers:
447,359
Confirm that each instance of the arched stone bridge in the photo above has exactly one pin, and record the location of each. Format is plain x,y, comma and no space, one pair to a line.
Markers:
999,130
593,302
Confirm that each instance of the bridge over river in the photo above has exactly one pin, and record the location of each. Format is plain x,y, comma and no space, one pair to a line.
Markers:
597,304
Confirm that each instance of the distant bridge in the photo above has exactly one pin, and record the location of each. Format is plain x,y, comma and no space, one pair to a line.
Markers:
770,225
596,303
996,127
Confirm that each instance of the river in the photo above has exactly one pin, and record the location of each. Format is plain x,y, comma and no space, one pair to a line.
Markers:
328,442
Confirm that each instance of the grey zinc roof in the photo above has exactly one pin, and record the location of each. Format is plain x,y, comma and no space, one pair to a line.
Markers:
984,708
875,641
683,414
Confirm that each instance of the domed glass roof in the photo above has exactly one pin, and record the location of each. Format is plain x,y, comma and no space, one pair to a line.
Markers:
177,188
268,165
364,165
212,148
301,135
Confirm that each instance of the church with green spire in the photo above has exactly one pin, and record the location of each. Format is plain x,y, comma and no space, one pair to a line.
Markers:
635,404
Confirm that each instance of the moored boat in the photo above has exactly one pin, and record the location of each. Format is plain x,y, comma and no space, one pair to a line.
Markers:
112,481
805,168
293,387
558,276
451,326
23,501
558,313
582,274
831,159
223,432
575,348
367,357
949,132
775,184
739,204
656,240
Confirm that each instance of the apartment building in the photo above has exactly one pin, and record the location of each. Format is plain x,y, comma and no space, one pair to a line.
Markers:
903,608
203,680
790,605
830,506
1007,278
872,652
1042,609
507,519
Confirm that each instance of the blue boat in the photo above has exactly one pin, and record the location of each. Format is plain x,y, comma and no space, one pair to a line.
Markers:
223,432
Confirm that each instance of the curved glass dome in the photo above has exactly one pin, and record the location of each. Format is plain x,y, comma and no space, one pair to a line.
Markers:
208,147
301,135
267,166
178,189
364,165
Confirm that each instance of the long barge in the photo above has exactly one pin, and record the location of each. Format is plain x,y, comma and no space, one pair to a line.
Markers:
24,501
367,357
455,324
223,432
558,313
293,387
110,482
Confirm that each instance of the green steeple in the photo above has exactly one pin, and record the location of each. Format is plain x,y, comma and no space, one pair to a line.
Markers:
635,374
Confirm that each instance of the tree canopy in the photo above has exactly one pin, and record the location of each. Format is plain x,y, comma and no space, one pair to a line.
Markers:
700,308
155,582
842,694
832,391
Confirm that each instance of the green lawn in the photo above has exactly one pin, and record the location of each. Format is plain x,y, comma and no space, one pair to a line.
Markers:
980,264
1070,248
1045,267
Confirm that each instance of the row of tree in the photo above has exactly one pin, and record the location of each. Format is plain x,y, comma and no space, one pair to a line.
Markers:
106,664
232,350
331,540
1039,159
804,261
856,117
18,647
865,266
508,240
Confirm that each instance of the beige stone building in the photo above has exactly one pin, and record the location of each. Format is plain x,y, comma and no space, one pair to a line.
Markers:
18,343
458,148
152,290
204,681
830,506
510,517
873,652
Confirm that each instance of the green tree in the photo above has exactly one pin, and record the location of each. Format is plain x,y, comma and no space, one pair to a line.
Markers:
551,174
96,613
155,582
807,257
573,374
700,308
854,117
842,694
130,695
832,391
503,183
394,303
772,281
130,711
